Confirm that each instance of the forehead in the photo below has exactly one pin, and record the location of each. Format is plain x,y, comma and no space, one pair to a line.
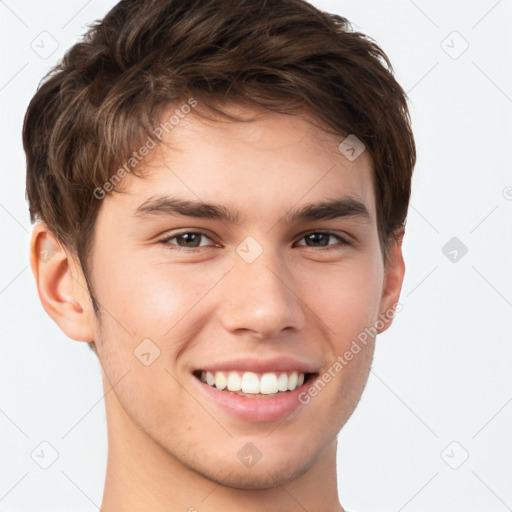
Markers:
259,165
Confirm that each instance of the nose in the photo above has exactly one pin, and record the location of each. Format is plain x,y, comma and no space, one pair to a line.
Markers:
259,298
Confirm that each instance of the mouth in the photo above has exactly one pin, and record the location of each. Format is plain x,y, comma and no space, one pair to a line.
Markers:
255,385
256,389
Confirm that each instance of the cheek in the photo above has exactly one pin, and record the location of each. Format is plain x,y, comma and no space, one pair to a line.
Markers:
345,296
149,298
348,300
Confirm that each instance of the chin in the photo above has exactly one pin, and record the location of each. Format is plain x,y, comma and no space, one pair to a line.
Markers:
259,477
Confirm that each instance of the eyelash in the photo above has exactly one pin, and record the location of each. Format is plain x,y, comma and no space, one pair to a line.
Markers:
342,241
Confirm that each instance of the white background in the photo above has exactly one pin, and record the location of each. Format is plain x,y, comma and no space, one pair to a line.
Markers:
441,373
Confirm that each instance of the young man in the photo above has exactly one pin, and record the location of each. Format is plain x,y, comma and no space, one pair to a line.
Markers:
220,189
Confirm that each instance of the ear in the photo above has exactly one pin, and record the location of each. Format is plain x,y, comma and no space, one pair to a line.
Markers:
393,279
61,285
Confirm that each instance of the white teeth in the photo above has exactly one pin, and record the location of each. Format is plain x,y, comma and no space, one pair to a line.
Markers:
250,383
220,380
268,384
292,381
234,382
282,382
253,383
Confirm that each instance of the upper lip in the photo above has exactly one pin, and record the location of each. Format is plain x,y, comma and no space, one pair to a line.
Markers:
259,365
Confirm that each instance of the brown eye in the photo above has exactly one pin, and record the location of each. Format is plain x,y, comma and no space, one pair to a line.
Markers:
189,239
322,238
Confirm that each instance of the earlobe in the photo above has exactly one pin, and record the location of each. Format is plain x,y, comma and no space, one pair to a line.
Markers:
60,285
394,276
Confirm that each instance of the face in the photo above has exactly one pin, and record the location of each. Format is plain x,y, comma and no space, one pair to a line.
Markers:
275,288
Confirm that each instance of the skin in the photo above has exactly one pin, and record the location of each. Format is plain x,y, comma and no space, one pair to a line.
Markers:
169,447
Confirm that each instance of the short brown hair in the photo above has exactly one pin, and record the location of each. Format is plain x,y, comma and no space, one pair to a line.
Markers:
97,105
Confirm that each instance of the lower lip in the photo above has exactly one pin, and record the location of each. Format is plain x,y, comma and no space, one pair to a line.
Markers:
256,409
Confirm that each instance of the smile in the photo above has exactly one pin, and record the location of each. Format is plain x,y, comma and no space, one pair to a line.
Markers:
254,396
251,383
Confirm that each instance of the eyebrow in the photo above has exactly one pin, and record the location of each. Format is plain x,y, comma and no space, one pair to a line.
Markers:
166,206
